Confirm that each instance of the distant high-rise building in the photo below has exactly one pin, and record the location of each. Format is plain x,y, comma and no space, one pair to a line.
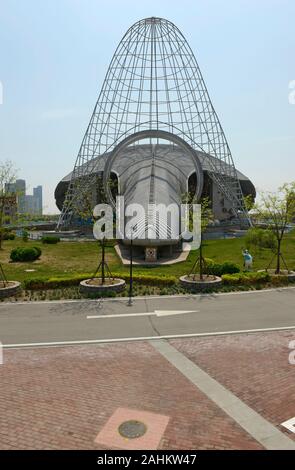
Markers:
20,189
10,188
26,203
37,194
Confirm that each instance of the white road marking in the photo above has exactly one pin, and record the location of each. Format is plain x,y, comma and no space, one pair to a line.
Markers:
290,425
164,313
158,313
142,338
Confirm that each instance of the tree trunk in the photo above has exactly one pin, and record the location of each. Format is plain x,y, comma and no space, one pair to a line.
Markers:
131,272
201,259
278,269
1,223
102,262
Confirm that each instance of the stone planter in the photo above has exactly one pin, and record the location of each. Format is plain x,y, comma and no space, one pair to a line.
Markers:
291,276
12,288
284,273
198,285
93,286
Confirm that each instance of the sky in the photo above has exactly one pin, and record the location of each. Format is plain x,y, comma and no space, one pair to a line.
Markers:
54,55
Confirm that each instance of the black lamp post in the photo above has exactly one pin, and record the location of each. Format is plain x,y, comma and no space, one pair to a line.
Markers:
130,272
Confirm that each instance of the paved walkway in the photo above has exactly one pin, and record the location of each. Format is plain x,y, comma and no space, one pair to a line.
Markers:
72,397
254,367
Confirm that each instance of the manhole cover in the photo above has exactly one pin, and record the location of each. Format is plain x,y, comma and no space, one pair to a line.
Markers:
132,429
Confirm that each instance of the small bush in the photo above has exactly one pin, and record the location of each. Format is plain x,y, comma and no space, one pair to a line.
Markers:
218,269
279,280
246,278
231,279
39,251
208,261
50,240
25,236
25,254
8,235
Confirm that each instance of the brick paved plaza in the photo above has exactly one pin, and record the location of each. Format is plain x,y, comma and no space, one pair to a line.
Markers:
66,397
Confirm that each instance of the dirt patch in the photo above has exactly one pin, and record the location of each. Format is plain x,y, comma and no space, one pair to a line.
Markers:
98,282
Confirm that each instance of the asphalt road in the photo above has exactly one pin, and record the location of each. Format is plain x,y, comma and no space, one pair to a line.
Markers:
50,322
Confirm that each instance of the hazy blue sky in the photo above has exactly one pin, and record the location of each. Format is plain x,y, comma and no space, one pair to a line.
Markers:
54,55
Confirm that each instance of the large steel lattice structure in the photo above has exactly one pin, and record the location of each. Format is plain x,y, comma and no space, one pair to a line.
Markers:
154,83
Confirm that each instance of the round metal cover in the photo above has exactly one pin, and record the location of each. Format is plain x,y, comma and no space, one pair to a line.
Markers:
132,429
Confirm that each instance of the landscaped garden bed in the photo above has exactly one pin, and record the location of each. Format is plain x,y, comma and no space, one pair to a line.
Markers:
62,266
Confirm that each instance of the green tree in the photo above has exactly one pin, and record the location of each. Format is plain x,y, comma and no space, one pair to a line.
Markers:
258,238
206,218
88,191
276,211
7,196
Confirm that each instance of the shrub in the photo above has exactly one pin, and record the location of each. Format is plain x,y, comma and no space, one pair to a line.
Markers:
25,236
208,261
39,251
8,235
246,278
231,279
67,281
218,269
25,254
50,240
279,280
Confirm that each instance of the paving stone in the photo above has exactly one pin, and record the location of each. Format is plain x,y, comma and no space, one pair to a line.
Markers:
61,398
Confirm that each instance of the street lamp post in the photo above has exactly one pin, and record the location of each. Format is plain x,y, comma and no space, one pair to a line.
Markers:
130,272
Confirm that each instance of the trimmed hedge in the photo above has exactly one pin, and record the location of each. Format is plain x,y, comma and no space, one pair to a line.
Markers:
50,240
246,278
218,269
58,282
25,254
250,278
279,280
39,251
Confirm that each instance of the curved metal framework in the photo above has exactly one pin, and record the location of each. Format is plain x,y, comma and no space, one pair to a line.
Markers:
154,83
145,135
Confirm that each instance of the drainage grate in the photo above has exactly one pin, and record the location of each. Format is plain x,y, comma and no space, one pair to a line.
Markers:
132,429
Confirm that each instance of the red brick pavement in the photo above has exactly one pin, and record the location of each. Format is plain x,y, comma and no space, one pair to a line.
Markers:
255,367
60,398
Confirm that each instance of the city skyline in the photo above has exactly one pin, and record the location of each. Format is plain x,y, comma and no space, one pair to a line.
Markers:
26,203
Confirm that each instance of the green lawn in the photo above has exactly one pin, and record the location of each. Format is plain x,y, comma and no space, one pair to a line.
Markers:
82,257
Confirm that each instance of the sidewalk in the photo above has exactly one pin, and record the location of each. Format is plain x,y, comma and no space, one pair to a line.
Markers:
63,397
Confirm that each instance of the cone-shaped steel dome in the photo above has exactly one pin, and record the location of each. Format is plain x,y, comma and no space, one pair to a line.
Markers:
154,83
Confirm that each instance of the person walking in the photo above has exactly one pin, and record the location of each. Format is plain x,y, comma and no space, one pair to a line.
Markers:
248,260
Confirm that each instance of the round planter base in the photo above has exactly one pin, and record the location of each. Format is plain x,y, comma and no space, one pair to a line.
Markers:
198,285
10,289
290,274
94,286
